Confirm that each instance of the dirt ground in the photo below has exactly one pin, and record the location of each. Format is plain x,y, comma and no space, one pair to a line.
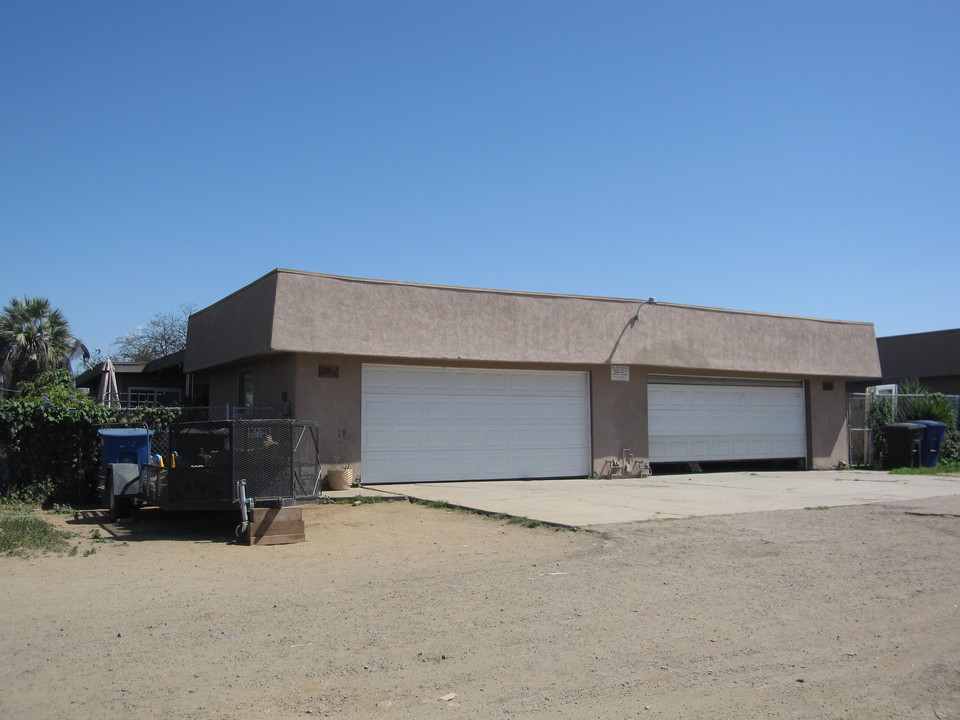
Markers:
397,610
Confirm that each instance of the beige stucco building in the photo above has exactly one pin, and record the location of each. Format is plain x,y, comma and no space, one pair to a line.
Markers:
422,382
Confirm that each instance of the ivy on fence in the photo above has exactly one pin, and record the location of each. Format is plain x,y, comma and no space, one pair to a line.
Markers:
49,449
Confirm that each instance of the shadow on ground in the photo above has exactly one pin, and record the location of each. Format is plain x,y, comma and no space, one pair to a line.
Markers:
152,524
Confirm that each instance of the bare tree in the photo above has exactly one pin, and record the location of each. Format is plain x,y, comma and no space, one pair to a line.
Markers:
161,335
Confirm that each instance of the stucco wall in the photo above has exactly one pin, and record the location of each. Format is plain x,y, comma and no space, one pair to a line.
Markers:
344,316
827,416
619,415
933,358
237,327
618,409
932,354
332,402
273,379
288,323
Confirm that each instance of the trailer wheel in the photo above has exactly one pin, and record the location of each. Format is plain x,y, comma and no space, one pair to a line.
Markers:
119,507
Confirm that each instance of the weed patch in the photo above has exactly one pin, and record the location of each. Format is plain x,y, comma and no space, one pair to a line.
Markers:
944,468
23,533
361,499
525,522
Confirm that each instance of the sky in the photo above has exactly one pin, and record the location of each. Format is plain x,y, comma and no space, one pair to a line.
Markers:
790,157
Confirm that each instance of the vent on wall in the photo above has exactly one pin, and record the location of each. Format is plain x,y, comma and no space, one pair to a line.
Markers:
329,371
828,385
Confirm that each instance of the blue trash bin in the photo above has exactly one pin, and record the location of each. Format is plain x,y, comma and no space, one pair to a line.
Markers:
124,445
933,435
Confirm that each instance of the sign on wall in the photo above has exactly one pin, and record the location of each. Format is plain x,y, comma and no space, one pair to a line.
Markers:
620,373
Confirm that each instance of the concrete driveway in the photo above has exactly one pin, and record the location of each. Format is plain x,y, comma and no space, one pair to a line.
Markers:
589,502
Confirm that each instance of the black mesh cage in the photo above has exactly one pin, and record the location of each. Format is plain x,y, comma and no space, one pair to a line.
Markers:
278,459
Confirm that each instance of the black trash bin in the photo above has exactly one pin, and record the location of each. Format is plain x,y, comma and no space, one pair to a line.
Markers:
903,444
933,435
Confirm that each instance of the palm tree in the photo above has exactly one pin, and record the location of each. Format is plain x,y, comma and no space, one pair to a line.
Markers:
34,338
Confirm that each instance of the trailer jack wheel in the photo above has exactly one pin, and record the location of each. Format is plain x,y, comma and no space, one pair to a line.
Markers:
241,530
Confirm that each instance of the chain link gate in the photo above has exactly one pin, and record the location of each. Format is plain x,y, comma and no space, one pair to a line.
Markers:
859,433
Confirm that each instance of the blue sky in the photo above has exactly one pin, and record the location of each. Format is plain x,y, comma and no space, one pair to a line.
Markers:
788,157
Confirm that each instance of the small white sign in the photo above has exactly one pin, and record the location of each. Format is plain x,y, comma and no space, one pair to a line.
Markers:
620,373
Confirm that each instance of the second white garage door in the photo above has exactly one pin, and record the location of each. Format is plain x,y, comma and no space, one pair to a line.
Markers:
426,424
701,419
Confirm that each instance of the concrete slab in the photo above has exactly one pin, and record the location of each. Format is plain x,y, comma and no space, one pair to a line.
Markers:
590,502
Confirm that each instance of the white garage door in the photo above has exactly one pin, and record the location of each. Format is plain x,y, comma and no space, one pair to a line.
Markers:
700,419
425,424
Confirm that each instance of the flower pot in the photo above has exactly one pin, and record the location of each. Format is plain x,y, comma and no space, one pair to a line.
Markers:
340,478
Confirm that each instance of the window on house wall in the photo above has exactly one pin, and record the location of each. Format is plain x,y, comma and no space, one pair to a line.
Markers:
167,397
245,389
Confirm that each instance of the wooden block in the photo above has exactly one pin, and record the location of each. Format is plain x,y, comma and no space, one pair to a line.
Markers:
276,526
284,513
283,527
276,539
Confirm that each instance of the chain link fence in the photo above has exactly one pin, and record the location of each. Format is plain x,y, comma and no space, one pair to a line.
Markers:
859,433
133,417
277,458
861,428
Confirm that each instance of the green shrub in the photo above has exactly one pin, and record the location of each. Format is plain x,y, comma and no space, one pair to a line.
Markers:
48,434
933,406
914,402
950,449
49,442
881,413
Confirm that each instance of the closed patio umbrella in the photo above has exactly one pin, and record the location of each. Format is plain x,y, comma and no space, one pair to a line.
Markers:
109,394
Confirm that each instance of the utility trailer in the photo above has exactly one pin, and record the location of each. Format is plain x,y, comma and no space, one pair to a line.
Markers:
215,465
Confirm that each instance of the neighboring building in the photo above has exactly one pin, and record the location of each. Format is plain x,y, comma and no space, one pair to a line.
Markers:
933,358
158,382
423,383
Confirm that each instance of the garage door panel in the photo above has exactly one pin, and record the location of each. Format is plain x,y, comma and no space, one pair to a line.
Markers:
404,382
407,438
467,409
437,409
404,409
379,409
436,382
468,438
491,384
378,439
438,438
473,424
552,464
379,378
523,411
494,410
408,466
701,422
523,438
494,466
495,439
